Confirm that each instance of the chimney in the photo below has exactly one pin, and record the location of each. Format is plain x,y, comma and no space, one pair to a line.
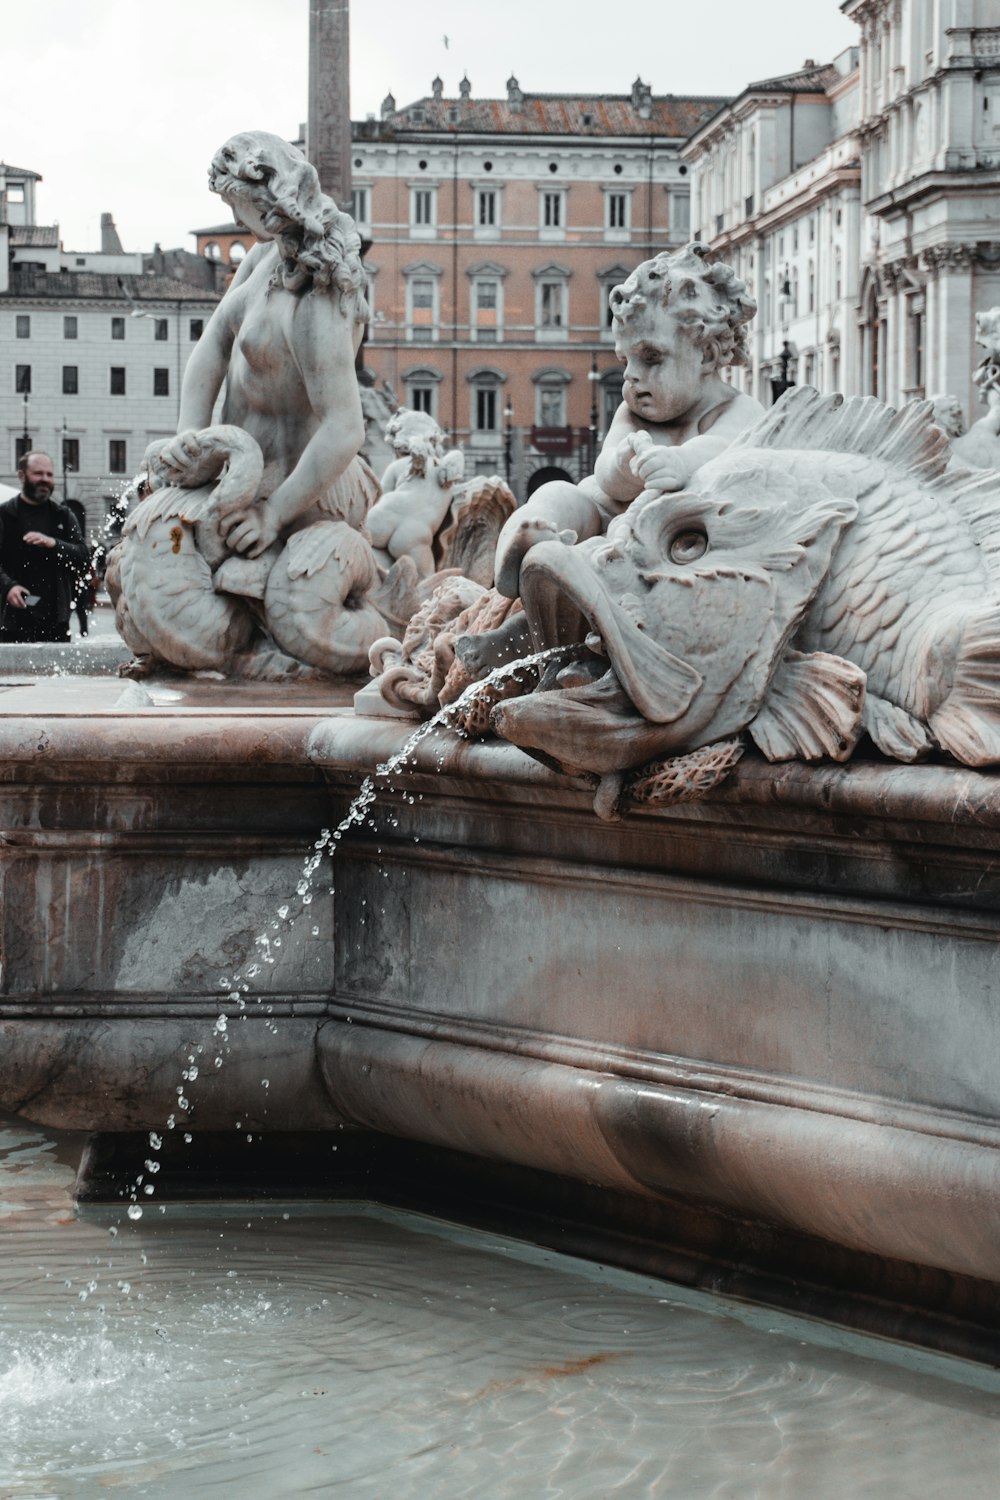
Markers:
437,87
515,98
465,88
642,98
110,243
388,106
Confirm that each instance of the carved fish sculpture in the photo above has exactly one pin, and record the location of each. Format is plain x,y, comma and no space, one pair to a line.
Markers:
823,577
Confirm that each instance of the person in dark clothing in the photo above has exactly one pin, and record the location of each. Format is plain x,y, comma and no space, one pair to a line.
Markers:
42,555
84,594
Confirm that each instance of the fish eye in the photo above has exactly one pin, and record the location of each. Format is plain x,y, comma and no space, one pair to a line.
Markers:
688,546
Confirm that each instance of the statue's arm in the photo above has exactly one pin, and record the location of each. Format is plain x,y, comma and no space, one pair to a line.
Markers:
207,367
613,470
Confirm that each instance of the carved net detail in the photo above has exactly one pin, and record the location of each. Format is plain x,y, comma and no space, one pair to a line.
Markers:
685,778
471,716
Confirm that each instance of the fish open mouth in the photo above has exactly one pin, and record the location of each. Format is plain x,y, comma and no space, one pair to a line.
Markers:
564,599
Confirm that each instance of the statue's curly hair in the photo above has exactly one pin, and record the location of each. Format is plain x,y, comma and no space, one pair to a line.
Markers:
710,301
320,247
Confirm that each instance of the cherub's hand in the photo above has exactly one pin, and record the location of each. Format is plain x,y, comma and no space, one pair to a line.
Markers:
250,531
660,469
518,536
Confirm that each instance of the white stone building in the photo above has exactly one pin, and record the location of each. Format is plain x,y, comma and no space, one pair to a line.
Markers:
92,351
862,201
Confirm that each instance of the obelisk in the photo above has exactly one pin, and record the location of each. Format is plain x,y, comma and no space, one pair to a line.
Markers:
328,129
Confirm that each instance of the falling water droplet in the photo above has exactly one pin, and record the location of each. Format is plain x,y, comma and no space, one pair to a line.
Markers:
135,1212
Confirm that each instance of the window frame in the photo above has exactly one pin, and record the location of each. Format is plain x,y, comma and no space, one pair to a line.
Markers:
117,329
161,380
161,330
22,325
117,376
71,380
114,443
71,326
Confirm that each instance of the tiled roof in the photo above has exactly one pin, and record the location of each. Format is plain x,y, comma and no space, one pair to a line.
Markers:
35,236
551,114
814,78
25,281
5,166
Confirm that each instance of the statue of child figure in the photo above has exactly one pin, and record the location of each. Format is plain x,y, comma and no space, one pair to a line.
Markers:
678,321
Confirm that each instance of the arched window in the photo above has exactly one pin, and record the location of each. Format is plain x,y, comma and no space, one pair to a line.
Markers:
212,251
237,250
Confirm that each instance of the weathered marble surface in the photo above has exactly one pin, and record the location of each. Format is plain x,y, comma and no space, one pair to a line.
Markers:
777,1002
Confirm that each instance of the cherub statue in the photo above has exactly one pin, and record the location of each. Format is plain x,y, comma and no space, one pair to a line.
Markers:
280,350
416,491
678,321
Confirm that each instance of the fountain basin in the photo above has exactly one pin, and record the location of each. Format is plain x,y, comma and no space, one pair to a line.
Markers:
758,1034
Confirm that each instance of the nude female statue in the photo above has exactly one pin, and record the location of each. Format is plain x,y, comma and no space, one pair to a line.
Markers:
280,351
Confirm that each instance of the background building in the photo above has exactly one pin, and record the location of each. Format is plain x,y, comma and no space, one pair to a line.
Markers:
861,199
498,227
94,346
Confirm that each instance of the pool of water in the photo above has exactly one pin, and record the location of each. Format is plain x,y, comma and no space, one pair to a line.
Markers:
359,1351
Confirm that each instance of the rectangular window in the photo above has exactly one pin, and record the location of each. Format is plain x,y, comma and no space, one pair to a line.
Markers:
71,380
486,212
486,409
117,380
422,398
71,455
22,379
617,210
423,295
360,212
423,207
161,382
196,329
23,322
117,328
552,304
69,327
15,192
22,445
552,210
116,456
160,330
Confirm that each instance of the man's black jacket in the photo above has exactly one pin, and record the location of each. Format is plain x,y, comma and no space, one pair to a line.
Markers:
71,559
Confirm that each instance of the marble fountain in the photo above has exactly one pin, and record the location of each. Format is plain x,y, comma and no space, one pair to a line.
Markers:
650,998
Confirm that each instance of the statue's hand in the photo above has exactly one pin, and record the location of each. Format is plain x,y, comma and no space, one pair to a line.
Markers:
659,468
180,456
250,532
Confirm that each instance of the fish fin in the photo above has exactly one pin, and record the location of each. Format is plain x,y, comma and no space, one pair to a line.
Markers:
813,708
894,731
967,722
976,496
805,419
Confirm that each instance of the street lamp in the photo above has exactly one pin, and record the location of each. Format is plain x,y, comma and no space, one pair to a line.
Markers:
594,376
508,417
783,383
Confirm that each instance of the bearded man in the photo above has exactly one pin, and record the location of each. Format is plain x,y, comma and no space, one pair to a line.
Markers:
42,557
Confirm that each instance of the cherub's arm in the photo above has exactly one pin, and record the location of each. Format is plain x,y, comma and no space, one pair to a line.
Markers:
321,343
671,468
613,469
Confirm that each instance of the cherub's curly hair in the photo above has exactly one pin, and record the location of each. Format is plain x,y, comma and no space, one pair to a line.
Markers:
320,247
708,300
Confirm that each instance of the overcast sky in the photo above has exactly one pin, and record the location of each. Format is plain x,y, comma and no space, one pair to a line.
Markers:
120,106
